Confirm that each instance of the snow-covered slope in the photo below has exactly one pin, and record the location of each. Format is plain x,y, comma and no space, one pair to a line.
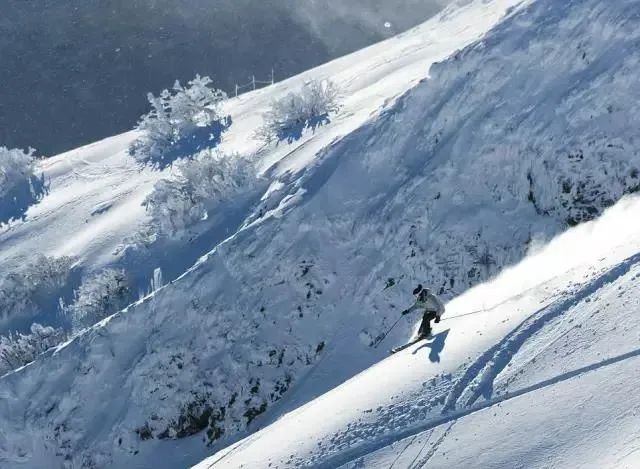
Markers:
443,176
536,368
95,203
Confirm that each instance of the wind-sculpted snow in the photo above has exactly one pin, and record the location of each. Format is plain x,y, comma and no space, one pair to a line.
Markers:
505,144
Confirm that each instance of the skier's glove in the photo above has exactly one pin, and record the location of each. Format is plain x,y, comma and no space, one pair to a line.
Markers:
437,319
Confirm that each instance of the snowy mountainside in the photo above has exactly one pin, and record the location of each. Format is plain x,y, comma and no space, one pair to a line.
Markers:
535,368
94,207
502,146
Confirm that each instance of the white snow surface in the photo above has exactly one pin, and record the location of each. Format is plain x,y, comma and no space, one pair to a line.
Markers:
442,174
535,368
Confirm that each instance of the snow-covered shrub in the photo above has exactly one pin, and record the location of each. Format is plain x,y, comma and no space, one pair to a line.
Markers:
39,283
199,186
17,349
98,297
310,107
181,122
15,166
19,186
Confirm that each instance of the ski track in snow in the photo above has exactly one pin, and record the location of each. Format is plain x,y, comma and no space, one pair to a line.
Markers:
479,377
423,461
454,416
498,357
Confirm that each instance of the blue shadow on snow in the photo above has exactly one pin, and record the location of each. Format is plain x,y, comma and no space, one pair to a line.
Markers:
198,139
294,132
436,346
16,202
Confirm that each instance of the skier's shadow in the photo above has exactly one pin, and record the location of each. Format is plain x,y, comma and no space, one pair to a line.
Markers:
436,346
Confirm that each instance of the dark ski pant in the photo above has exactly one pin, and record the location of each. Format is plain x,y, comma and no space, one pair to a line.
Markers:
425,326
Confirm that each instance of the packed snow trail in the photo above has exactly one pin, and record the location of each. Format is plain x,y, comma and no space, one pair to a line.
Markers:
564,328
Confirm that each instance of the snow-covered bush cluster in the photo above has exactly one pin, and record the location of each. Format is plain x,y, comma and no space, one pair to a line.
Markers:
17,349
217,407
198,187
38,283
578,184
182,121
98,297
16,166
310,107
19,185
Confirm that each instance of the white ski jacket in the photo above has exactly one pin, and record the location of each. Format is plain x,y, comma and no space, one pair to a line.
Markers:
427,302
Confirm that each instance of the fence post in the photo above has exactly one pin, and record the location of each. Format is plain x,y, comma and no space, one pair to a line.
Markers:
236,90
253,81
272,77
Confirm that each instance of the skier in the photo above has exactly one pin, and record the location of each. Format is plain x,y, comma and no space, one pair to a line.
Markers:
431,306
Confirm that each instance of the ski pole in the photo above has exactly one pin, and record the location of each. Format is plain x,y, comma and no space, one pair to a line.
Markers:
463,315
386,333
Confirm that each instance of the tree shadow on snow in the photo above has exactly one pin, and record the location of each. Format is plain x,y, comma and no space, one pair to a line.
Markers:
436,345
195,141
294,132
14,204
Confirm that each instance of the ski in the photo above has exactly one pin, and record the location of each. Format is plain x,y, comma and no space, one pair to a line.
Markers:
402,347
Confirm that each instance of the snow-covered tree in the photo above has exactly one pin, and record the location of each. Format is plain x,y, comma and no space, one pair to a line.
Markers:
181,122
39,282
19,185
310,106
100,296
16,166
17,349
198,187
